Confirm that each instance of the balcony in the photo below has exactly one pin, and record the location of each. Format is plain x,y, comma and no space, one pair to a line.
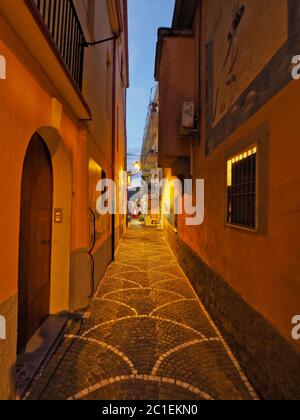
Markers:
61,22
51,34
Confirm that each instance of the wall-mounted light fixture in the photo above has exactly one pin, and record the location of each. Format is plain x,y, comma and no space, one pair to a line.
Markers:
2,68
129,179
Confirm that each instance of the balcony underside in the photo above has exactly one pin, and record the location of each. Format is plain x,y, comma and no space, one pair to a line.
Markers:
27,25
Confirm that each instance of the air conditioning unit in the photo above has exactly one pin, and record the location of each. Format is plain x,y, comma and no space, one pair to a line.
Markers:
188,115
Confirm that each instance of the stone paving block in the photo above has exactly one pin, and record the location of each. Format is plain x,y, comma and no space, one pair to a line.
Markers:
146,337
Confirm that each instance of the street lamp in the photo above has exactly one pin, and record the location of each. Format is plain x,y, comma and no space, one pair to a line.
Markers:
129,179
136,167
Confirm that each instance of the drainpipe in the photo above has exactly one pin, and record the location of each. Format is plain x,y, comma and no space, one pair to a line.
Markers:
199,87
117,35
200,64
113,170
199,16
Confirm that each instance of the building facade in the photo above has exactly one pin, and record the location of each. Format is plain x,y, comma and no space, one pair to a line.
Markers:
149,156
62,116
231,68
149,161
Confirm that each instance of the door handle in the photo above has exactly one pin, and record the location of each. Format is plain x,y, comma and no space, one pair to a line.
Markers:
46,242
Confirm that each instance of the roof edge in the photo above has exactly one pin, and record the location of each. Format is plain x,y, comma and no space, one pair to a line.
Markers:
163,33
184,14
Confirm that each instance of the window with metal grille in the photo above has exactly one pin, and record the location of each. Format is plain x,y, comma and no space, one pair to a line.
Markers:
242,189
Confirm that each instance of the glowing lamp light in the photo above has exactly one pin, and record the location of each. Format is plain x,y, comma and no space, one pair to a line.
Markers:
136,167
236,159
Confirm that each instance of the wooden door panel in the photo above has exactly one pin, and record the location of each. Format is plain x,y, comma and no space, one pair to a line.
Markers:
35,239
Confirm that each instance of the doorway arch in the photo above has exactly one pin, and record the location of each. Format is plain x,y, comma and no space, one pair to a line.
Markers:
35,241
61,232
60,159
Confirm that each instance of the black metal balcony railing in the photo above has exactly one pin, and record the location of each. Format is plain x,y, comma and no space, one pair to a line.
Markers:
61,19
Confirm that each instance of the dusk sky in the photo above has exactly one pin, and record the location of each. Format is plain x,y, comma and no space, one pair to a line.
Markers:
145,17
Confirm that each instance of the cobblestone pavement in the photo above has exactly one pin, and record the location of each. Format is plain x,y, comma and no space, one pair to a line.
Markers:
146,336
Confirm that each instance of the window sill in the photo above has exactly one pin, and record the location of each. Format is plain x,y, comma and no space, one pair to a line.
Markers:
242,228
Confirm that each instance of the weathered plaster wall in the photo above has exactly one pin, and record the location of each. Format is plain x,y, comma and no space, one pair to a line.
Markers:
265,26
264,267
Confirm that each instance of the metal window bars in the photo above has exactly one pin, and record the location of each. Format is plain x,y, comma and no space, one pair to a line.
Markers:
242,193
61,20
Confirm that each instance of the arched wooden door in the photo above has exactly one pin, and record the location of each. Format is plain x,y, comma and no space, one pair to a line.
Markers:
35,240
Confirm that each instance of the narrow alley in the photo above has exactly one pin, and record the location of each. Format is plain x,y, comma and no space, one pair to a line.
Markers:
146,336
150,185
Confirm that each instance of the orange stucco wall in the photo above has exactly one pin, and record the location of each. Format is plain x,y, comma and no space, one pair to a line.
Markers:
26,107
38,96
26,97
263,267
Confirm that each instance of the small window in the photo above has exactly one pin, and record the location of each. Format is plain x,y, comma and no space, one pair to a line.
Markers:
242,189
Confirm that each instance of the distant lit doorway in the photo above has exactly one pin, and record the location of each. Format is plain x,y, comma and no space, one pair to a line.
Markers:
35,240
